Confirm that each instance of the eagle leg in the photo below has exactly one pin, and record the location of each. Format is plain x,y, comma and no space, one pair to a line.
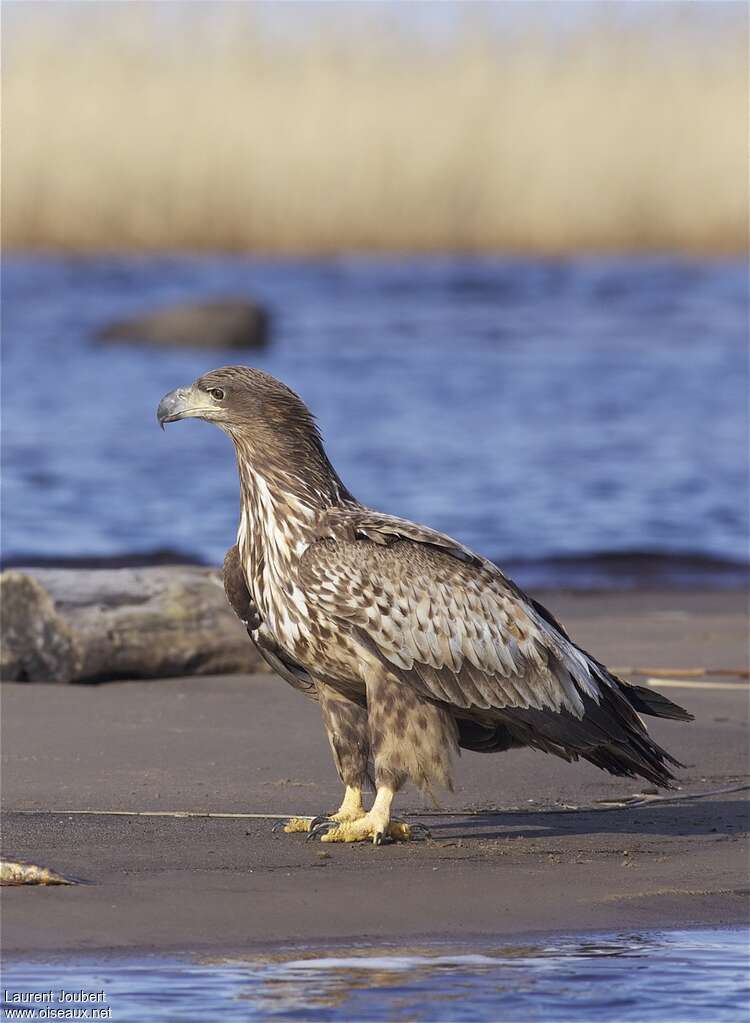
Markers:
350,810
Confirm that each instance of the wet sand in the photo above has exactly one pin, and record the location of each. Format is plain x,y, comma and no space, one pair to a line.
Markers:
512,861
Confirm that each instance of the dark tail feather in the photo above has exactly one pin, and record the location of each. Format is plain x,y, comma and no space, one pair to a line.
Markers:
609,734
649,701
619,761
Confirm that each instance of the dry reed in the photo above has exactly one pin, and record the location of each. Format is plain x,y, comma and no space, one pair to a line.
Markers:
125,134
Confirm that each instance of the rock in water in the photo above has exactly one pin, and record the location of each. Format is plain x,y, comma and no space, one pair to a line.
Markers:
228,323
68,625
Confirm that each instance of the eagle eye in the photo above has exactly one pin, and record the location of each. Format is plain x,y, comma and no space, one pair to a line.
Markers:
217,393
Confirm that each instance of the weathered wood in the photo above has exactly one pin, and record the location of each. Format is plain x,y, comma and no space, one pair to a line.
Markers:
67,625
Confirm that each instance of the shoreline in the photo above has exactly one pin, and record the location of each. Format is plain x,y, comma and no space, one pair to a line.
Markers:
506,866
415,944
604,571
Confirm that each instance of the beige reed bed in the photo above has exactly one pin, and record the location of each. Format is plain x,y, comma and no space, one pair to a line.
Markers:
155,126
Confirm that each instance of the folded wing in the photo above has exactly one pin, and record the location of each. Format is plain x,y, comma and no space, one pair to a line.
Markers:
449,624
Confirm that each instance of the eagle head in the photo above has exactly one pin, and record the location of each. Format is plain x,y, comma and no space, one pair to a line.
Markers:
241,400
273,431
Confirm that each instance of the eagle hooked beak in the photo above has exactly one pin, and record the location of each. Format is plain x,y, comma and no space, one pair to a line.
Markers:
183,403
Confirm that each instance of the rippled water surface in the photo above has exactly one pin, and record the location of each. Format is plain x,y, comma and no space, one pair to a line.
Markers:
671,977
533,409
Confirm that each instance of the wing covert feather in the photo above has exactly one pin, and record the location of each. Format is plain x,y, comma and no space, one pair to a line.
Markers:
453,626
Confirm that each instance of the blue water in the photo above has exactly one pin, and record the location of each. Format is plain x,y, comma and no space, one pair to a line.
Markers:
534,409
669,977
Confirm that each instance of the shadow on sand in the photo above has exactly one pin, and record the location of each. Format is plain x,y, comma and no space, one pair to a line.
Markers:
721,817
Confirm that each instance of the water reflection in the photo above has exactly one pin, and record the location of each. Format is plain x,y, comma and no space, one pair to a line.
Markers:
699,976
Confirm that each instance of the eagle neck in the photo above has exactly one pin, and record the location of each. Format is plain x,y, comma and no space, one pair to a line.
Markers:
281,504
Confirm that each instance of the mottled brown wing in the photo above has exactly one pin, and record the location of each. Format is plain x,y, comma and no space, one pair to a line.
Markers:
235,588
354,522
452,624
238,595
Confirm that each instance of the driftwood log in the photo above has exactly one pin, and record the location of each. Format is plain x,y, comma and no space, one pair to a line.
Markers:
68,625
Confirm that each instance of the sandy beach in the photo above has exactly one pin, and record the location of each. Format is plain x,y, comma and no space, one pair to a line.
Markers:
515,858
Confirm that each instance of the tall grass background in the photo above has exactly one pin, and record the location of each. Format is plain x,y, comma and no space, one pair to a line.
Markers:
133,126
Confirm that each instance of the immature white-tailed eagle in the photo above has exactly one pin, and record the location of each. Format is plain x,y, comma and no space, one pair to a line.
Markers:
413,644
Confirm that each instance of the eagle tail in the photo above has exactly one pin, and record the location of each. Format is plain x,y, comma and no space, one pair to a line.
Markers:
633,753
653,703
644,759
609,733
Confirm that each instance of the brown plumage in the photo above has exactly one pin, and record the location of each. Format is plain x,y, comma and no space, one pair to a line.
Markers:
413,644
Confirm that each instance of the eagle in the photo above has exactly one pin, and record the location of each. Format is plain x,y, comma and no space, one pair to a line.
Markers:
414,646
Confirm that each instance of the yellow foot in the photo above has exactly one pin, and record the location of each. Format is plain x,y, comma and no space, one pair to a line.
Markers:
295,824
351,809
368,829
345,816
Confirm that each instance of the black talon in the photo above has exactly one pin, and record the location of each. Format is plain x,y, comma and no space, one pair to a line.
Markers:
325,825
379,838
318,820
415,827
